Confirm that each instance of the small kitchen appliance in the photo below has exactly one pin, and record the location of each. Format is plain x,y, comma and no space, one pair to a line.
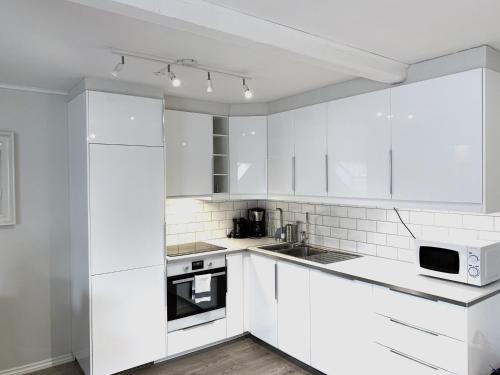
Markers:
257,222
474,262
240,228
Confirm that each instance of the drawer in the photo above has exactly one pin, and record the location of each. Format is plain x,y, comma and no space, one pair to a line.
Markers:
124,119
440,317
392,362
194,337
442,351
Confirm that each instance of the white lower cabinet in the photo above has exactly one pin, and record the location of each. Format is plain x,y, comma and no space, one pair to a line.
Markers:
294,333
341,339
128,319
191,338
263,307
234,296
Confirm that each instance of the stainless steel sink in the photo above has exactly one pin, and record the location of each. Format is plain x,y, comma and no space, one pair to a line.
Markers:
310,253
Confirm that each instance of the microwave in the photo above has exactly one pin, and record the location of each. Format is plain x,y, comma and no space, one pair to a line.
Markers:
474,262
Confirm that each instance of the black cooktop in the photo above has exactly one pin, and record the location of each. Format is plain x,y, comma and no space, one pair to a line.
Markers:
191,248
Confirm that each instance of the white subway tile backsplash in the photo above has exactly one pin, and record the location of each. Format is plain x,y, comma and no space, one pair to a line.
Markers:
367,225
295,207
393,216
407,255
398,241
356,235
307,208
376,214
339,233
322,230
376,238
387,227
339,211
490,236
347,245
387,252
420,217
366,248
331,221
348,223
434,233
323,210
315,219
479,222
331,242
497,224
448,220
463,234
218,215
356,212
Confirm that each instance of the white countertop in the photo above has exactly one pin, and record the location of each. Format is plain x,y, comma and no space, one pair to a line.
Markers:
385,272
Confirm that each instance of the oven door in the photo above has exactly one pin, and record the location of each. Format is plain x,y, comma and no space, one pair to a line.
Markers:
182,309
444,261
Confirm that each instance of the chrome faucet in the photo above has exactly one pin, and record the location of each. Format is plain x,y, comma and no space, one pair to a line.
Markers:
305,233
281,228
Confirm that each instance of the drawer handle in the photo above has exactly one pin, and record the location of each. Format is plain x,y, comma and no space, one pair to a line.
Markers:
414,359
413,327
415,294
199,325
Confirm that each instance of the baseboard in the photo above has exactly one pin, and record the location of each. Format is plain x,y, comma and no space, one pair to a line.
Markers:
40,365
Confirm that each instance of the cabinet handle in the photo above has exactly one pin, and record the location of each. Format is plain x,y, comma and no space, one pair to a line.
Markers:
390,172
199,325
413,327
276,281
413,359
293,173
326,171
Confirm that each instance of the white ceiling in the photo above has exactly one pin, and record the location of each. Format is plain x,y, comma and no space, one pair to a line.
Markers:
406,31
52,44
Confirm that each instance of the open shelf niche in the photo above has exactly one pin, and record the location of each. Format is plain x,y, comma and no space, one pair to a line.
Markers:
221,155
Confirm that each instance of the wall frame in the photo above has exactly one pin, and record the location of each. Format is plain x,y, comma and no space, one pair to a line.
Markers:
7,178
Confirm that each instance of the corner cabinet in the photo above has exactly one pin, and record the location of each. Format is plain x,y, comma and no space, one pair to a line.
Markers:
248,157
117,197
189,153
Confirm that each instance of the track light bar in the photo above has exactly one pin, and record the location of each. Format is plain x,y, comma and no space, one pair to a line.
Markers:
209,83
118,68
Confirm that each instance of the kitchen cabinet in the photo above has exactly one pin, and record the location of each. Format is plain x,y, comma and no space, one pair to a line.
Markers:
189,153
117,198
359,146
248,156
128,319
235,293
262,306
341,339
437,139
294,335
310,125
280,153
124,119
126,187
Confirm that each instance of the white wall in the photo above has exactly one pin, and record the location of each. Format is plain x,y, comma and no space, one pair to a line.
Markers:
34,254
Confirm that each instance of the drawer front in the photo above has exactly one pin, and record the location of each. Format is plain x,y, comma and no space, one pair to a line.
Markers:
442,351
444,318
392,362
125,119
194,337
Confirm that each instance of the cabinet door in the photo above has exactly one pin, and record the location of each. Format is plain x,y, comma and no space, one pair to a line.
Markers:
262,299
310,150
340,324
235,294
359,144
248,155
124,119
189,147
127,195
128,319
437,139
294,334
280,153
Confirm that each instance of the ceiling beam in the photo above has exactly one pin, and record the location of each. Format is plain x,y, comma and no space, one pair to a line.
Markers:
203,18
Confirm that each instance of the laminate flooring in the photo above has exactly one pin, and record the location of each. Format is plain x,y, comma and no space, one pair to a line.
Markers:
244,356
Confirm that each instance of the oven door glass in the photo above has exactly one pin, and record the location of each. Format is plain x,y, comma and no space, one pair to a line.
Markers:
180,294
439,259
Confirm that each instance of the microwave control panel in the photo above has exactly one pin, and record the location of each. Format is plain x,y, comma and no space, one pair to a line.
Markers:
473,265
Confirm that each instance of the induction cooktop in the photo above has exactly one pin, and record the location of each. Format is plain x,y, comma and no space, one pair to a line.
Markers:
191,248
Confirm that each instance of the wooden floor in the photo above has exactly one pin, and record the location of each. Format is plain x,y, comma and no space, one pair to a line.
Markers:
242,357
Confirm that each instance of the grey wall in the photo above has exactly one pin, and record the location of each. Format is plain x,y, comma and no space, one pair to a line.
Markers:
34,254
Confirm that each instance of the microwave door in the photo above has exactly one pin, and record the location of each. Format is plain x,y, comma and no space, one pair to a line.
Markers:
447,263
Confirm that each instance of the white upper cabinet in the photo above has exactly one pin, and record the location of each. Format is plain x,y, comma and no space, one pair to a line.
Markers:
126,189
359,144
310,150
189,147
124,119
280,153
248,155
437,139
294,331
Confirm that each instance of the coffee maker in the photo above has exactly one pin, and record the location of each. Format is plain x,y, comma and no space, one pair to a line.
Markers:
257,222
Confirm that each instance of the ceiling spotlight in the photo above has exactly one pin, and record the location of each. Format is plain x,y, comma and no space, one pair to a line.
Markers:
176,82
118,68
246,90
209,84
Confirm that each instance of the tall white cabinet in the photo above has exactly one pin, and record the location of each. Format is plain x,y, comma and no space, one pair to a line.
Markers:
117,199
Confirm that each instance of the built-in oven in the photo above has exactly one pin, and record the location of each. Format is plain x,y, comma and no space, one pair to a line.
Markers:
187,308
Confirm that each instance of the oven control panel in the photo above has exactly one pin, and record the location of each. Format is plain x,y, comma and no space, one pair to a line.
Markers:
473,264
180,267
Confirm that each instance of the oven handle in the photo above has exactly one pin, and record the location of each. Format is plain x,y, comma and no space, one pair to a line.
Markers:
192,278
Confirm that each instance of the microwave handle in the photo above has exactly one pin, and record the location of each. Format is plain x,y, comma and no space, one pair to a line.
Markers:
175,282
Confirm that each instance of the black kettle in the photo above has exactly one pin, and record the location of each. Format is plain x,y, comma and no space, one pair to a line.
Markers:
240,228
